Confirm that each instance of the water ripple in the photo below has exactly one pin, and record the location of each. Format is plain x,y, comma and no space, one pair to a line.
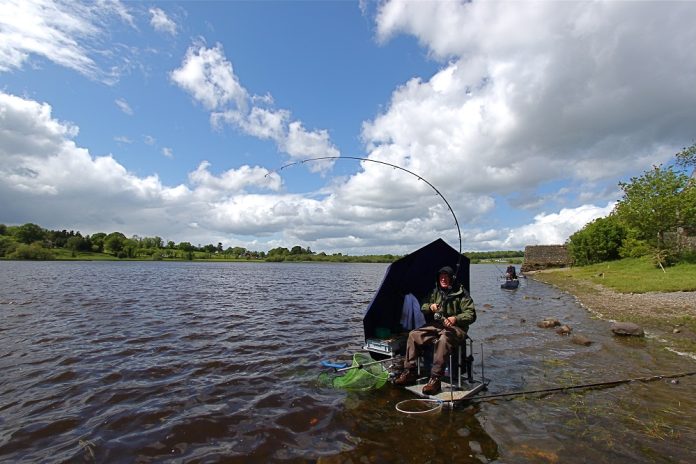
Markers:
203,362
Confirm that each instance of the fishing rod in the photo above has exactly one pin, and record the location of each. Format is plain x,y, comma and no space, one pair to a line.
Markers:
456,222
502,274
612,383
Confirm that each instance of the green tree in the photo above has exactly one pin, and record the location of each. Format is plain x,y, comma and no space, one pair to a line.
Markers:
186,246
187,250
129,248
237,252
114,242
76,244
633,247
29,233
687,157
7,245
653,204
598,241
97,241
279,251
151,242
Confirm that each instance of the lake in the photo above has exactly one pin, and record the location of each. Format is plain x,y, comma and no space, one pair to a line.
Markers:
126,362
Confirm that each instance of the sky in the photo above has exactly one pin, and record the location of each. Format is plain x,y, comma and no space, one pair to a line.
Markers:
511,123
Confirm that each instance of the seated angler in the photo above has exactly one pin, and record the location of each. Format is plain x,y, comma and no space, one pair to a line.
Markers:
453,311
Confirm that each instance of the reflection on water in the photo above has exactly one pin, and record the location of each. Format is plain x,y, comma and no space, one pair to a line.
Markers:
202,362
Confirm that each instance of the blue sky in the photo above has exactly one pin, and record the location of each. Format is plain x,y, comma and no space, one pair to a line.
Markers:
173,118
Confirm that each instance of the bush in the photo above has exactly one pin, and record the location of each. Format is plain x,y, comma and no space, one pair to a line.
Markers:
7,245
32,251
687,257
664,258
632,247
597,242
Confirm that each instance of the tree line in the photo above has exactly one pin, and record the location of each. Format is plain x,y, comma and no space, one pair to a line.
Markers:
31,241
654,209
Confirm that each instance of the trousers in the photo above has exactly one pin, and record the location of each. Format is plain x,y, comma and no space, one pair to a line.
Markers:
446,339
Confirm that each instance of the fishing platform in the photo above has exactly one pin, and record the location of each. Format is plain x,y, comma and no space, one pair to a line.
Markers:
387,322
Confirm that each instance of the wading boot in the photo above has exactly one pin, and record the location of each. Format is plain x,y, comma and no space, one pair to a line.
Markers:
407,377
433,386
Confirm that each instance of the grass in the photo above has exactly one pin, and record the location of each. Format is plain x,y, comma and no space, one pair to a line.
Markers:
62,254
635,275
675,322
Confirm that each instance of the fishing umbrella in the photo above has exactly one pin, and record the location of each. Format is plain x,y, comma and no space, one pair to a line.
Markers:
415,273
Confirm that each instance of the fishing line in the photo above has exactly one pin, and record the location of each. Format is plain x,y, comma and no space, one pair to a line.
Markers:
581,386
502,274
456,222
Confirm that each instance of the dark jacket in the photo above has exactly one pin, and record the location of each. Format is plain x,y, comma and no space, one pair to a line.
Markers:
457,302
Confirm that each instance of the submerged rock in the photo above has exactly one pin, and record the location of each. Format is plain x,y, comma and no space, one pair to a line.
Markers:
627,328
547,323
581,340
564,330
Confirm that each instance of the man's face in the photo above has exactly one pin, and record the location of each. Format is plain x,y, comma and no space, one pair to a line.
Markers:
444,280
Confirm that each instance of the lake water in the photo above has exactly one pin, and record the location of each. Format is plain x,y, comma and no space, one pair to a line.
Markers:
124,362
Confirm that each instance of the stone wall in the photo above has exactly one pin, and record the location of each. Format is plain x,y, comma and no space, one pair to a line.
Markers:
537,257
682,240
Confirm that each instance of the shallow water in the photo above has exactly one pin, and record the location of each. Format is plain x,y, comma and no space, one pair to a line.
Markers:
204,362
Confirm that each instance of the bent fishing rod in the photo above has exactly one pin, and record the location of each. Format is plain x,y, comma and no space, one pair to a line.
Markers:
418,176
612,383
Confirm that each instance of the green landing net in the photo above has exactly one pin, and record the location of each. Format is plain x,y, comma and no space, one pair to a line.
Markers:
359,376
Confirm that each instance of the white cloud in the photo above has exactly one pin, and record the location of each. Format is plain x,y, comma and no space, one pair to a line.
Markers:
209,77
122,139
65,32
301,143
554,228
161,22
124,106
232,180
530,95
44,174
168,152
540,91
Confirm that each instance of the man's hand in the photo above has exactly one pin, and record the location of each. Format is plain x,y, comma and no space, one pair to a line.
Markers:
450,321
434,307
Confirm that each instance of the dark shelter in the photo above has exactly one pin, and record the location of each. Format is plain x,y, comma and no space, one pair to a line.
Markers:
414,273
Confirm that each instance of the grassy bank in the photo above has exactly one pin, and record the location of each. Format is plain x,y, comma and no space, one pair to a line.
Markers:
61,254
634,275
633,290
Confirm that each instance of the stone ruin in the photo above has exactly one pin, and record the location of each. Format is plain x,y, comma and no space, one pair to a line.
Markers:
684,239
538,257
